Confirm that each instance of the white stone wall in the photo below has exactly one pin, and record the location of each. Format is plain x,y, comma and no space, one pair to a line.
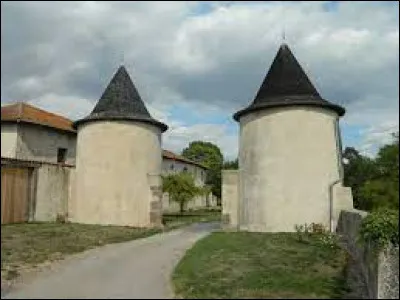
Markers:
52,192
41,143
388,273
170,166
288,158
169,206
342,199
114,160
71,194
230,197
371,274
8,140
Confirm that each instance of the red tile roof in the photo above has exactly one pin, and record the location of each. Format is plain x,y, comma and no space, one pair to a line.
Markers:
23,112
173,156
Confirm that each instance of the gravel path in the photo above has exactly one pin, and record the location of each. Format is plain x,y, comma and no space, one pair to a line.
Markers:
131,270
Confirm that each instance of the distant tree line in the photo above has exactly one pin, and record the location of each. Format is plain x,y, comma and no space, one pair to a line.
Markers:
231,165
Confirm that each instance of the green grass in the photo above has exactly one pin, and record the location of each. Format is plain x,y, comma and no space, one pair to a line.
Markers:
34,243
30,244
259,265
174,220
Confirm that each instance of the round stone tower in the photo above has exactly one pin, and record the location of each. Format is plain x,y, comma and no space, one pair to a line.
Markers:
289,151
118,163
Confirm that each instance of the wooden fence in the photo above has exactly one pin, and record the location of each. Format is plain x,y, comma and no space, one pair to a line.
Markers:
17,190
15,194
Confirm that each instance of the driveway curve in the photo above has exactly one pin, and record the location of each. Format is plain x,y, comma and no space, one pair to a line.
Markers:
138,269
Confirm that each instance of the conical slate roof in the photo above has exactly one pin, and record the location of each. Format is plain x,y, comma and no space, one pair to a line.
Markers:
121,101
286,84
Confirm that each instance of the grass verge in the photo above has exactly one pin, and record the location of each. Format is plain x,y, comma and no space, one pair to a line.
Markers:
27,245
174,220
239,265
30,244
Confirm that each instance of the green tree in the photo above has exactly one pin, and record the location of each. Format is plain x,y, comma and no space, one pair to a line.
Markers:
375,182
210,156
181,188
379,193
231,165
357,171
388,159
383,189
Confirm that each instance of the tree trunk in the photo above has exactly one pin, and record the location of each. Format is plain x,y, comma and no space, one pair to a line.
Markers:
181,207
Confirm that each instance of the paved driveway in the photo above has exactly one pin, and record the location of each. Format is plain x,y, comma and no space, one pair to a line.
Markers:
131,270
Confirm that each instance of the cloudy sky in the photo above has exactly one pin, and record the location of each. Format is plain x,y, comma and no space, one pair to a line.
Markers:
196,63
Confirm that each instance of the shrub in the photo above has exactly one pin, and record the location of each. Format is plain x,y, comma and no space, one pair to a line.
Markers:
181,188
329,240
318,228
61,218
325,238
381,227
310,228
299,232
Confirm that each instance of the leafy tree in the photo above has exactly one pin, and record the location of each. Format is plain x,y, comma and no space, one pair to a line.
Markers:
375,182
231,165
379,193
181,188
388,159
381,227
357,171
210,156
383,189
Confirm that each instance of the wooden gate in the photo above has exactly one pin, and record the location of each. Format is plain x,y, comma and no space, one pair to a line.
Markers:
15,194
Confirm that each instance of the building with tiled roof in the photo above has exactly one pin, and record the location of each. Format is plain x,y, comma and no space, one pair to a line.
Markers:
175,157
22,112
173,163
23,115
31,133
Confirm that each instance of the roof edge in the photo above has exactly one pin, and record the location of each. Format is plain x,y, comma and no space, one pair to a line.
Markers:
263,106
154,122
19,120
182,159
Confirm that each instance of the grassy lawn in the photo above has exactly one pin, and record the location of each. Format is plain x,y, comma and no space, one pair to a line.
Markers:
259,265
27,245
174,220
31,244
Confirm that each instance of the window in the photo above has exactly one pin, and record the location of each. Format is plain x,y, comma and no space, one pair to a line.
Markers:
184,169
171,167
61,155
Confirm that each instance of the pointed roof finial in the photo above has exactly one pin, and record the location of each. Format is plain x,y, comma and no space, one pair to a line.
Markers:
283,35
121,58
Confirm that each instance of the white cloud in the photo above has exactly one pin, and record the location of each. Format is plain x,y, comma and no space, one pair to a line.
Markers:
177,138
64,53
376,136
70,107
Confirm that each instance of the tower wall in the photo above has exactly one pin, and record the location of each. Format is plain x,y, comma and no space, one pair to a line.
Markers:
116,166
288,159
